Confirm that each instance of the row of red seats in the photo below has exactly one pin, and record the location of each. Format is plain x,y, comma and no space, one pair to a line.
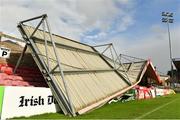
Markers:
4,76
22,83
24,77
6,68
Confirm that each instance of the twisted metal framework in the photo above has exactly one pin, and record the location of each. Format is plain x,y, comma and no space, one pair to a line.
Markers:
117,59
65,103
64,100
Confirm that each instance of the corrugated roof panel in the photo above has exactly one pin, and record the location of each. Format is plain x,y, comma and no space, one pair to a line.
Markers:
91,87
78,59
57,39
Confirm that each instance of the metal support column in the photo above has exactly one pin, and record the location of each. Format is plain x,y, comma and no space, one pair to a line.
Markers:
60,69
20,58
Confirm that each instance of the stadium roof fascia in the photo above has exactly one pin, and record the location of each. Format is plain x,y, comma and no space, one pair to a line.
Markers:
3,35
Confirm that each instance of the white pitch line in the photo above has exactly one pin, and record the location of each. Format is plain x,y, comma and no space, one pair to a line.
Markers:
155,109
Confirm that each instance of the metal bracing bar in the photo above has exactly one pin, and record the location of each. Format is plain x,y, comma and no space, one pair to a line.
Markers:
84,71
102,45
60,69
11,37
44,15
121,64
46,48
108,46
67,46
20,58
37,26
125,58
130,66
52,84
119,59
132,62
115,63
106,49
116,71
61,98
109,59
72,66
53,69
112,57
132,57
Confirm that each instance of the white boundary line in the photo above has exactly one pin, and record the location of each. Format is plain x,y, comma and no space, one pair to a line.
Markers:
155,109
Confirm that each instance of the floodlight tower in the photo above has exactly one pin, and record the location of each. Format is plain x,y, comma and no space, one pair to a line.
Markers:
167,18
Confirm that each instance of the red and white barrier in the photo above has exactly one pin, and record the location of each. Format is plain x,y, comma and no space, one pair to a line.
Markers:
151,92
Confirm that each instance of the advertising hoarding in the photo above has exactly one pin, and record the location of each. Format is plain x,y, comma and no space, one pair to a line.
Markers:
27,101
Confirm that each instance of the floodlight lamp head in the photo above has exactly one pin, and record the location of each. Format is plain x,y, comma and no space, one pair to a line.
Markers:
164,20
164,14
170,20
170,15
167,14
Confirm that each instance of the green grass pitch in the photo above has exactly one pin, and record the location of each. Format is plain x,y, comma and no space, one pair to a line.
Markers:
166,107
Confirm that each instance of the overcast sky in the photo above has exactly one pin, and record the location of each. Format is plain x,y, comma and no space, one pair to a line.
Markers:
134,26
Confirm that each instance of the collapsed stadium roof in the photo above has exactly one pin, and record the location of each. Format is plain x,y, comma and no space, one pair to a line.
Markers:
80,77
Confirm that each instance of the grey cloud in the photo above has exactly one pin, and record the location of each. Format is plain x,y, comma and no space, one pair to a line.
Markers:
73,17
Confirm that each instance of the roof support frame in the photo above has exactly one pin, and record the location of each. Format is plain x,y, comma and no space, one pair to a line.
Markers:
65,103
120,64
84,71
42,21
68,47
20,58
48,73
60,68
44,70
34,18
45,42
116,71
112,49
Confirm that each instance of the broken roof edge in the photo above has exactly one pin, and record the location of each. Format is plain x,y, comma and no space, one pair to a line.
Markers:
158,78
95,105
11,37
155,72
142,60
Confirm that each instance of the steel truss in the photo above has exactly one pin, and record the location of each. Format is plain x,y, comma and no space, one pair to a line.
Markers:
64,102
117,59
